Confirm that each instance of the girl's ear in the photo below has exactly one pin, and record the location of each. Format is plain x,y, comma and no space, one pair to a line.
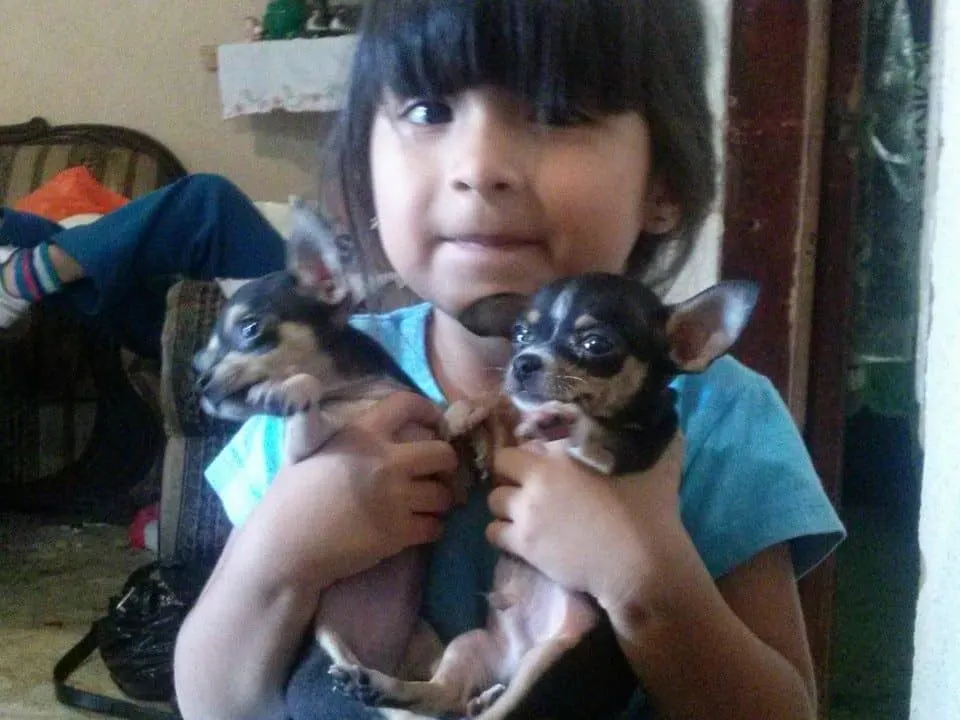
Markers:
703,328
313,256
661,210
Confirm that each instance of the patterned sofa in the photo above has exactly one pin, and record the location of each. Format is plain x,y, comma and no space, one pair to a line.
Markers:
71,421
193,526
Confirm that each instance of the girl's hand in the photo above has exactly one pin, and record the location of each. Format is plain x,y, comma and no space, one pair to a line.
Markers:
588,532
375,489
366,496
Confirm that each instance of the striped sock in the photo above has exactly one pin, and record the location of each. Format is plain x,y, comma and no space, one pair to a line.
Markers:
34,275
11,308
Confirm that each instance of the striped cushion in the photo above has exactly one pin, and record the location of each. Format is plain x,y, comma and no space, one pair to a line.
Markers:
48,396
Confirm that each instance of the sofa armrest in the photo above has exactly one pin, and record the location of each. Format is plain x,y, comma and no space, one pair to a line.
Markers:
193,525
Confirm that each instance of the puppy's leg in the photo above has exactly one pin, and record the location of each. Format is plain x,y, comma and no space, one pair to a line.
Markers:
551,421
423,654
297,398
463,425
471,664
333,646
463,416
587,444
498,706
306,432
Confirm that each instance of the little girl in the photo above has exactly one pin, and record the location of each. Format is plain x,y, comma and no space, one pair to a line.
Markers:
492,146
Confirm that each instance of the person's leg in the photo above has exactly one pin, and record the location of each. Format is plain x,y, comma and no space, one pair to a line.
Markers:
21,235
312,695
201,226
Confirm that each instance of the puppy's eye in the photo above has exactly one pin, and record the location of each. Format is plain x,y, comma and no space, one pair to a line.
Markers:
346,248
596,345
521,334
250,329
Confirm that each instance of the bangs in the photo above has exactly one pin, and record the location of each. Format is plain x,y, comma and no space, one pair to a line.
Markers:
555,54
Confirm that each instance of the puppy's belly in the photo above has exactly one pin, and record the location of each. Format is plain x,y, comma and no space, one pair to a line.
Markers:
375,612
527,609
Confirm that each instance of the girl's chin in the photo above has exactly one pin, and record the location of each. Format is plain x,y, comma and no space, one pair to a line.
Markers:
463,294
484,279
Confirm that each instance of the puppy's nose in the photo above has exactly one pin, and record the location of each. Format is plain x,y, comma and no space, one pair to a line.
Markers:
203,380
526,365
201,370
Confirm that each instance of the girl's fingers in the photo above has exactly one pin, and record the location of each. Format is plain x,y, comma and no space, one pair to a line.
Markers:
499,501
424,529
500,534
430,497
399,409
515,462
414,432
429,457
511,463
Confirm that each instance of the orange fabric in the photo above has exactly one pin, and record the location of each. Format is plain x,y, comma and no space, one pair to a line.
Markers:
70,192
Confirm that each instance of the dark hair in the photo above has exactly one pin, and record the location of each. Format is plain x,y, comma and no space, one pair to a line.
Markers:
608,56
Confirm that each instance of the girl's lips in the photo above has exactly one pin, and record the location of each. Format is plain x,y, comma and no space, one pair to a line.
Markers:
492,241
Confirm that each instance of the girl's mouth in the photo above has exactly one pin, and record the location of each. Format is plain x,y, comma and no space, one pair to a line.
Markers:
495,241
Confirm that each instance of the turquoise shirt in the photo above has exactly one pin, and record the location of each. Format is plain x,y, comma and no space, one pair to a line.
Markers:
748,483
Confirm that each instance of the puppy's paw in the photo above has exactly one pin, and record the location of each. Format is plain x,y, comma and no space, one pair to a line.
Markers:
357,682
594,456
485,700
553,420
463,416
294,395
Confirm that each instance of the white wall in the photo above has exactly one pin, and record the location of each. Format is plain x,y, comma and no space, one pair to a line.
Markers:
704,268
936,664
137,63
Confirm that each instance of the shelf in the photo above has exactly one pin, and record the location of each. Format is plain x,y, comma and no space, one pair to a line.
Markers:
293,75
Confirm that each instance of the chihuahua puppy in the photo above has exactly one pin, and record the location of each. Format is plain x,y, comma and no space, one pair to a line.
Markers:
592,360
282,346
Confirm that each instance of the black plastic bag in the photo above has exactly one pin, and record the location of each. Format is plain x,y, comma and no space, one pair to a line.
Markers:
136,640
137,636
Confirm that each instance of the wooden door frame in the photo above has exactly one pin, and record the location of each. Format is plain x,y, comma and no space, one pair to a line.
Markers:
790,187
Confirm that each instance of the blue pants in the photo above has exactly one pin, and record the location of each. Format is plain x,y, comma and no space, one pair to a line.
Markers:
200,227
311,694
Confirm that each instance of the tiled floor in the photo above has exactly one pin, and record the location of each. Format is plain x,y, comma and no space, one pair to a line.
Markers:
54,581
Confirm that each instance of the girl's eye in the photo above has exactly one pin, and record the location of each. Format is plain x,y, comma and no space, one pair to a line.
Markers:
427,112
521,334
596,345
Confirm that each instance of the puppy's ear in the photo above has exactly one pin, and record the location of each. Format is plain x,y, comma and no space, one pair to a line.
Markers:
703,328
313,257
494,315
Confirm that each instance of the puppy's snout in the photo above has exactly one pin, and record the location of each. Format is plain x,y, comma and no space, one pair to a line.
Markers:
203,380
526,365
202,370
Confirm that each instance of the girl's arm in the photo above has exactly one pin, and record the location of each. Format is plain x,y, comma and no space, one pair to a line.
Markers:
735,648
363,499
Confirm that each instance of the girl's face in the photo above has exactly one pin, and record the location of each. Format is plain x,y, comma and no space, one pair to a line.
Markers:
475,195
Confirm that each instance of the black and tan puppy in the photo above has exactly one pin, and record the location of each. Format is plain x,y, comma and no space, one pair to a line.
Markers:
282,346
592,360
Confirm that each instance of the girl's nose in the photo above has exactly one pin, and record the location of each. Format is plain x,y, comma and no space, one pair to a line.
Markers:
486,158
